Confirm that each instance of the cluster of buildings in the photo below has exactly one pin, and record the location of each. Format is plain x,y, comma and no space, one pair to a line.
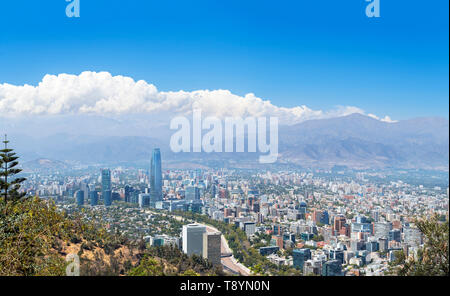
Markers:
323,225
196,240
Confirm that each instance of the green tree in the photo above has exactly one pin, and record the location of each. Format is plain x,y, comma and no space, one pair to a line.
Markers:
189,272
9,186
147,267
432,259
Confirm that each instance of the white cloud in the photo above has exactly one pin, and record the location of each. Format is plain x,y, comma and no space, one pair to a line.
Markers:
102,93
385,119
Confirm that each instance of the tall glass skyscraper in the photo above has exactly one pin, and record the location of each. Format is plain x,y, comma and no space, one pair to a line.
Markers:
106,187
80,197
192,193
156,176
300,256
93,197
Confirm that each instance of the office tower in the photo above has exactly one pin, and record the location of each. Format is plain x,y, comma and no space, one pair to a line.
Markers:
372,246
357,245
361,226
381,229
79,195
277,229
268,250
93,197
193,239
211,247
107,200
289,237
337,254
249,228
345,230
325,219
144,200
339,222
312,267
106,187
300,256
383,244
213,190
85,188
332,268
302,208
135,197
127,192
256,207
395,235
192,193
156,175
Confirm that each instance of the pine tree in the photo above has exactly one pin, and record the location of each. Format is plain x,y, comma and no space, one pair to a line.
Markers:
9,186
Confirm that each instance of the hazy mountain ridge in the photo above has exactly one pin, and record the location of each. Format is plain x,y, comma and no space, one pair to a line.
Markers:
356,141
360,141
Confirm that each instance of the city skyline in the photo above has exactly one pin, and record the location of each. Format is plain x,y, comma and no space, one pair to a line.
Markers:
225,139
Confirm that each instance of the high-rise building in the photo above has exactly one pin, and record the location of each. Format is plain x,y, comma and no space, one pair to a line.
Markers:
381,229
277,229
144,200
332,268
156,176
211,247
93,198
316,216
312,267
106,187
79,196
193,239
84,186
337,254
395,235
302,208
324,219
249,228
300,256
339,222
372,246
383,244
192,193
107,200
127,193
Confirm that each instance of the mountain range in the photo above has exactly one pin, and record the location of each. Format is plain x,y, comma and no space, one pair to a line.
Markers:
356,141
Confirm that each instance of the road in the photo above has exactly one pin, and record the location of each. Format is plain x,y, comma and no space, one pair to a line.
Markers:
230,263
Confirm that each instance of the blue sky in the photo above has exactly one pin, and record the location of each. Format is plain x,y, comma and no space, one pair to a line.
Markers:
316,53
